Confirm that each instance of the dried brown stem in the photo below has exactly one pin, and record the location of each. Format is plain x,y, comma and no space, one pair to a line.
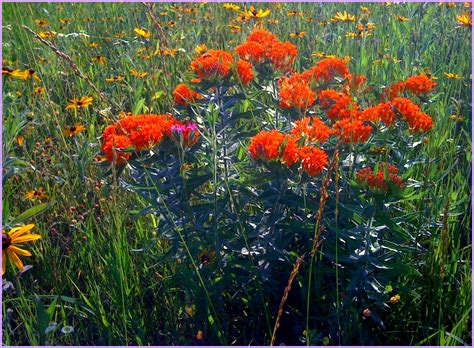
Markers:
286,292
71,64
161,32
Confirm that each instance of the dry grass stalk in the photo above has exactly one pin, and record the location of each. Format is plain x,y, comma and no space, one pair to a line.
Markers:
71,64
149,7
322,201
286,292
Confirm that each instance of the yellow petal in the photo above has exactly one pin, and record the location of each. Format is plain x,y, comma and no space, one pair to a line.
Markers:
27,238
19,251
4,262
18,231
15,259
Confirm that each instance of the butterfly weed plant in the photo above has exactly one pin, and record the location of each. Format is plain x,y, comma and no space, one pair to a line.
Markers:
259,165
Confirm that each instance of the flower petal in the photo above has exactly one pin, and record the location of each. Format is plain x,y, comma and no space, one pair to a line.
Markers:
26,238
18,231
19,251
15,259
4,262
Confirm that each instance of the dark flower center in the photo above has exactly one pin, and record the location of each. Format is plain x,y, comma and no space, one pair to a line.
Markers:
6,241
72,129
205,259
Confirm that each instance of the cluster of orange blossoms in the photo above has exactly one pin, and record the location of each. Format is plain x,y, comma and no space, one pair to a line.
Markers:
295,147
418,85
218,64
183,95
297,91
144,132
263,47
300,91
380,180
213,63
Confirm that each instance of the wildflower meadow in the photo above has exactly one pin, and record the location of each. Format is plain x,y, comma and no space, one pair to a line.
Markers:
236,173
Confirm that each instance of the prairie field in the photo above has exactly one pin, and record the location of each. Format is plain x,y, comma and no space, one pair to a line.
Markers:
236,174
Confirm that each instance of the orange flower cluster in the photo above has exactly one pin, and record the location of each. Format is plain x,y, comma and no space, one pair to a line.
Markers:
313,128
291,149
295,93
245,71
380,180
352,131
262,46
381,112
325,70
298,90
142,132
183,95
417,120
418,85
266,145
213,64
337,105
355,83
313,160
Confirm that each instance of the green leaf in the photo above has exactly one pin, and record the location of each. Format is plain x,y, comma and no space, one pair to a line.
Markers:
139,106
38,209
157,95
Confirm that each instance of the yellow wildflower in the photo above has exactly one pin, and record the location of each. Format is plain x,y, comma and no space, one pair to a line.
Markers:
142,32
17,235
343,17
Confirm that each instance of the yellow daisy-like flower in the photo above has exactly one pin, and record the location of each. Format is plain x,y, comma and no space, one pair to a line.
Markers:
47,34
402,19
242,18
65,21
370,26
394,299
234,28
453,76
294,13
364,9
298,34
351,34
140,74
464,20
74,130
142,32
233,7
200,49
343,17
40,90
114,79
457,118
99,159
83,102
100,60
34,195
17,235
21,74
42,22
93,44
254,13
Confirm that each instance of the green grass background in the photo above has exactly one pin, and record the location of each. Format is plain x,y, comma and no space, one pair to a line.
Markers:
110,290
